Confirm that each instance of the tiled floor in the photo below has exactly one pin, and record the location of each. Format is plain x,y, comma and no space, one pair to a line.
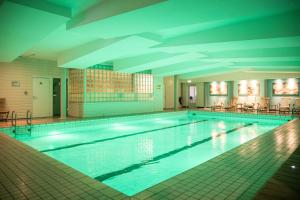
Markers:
237,174
285,184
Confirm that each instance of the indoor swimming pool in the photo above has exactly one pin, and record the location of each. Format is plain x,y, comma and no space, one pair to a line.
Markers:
133,153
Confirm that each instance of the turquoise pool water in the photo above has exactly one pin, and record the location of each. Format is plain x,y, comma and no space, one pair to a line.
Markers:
133,153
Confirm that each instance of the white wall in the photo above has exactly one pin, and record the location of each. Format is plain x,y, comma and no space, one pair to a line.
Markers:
200,95
237,76
23,70
169,92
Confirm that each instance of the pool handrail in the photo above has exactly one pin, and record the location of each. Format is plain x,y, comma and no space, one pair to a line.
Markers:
29,121
14,122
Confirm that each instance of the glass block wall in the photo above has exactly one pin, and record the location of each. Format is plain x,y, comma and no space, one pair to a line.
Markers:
105,85
76,86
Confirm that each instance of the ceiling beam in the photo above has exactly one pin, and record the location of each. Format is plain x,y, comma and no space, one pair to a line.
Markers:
148,64
187,67
22,26
104,51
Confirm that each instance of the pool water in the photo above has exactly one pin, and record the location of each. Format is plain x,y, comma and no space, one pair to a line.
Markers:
134,153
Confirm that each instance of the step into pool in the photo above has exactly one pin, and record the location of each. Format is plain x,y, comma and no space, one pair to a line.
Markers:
133,153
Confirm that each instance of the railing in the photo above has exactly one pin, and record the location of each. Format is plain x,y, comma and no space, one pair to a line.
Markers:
29,121
14,122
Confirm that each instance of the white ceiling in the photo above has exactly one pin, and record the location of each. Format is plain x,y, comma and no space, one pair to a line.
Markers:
190,38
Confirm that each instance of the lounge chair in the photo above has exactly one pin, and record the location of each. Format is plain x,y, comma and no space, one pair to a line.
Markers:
249,104
285,105
217,106
3,111
4,115
296,107
249,107
232,105
263,104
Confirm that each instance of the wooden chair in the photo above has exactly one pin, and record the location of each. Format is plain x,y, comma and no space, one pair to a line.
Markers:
249,107
249,104
217,106
285,105
3,112
296,107
232,105
263,104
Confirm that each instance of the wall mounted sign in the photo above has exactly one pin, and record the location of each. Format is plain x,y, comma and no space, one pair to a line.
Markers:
15,83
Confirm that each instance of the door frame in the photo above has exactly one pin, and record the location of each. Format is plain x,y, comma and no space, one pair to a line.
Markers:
50,91
60,97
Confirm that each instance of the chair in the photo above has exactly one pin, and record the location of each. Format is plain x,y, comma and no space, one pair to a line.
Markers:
285,105
4,115
249,107
232,105
249,104
217,106
263,104
296,107
3,112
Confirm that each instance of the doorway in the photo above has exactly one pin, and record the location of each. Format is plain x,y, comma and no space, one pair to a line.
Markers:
41,97
56,97
192,95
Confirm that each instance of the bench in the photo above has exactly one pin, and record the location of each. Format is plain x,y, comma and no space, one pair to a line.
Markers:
4,115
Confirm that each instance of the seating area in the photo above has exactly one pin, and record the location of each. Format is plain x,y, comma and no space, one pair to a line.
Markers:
261,105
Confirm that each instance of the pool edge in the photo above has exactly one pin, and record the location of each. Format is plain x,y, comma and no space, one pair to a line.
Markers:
179,186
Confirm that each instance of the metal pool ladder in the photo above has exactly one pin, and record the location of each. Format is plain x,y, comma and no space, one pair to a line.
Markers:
14,122
29,121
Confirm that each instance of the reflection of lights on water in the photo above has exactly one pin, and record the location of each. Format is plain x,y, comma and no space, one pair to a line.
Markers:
221,125
223,140
243,139
54,133
214,135
60,136
163,121
122,127
189,140
247,134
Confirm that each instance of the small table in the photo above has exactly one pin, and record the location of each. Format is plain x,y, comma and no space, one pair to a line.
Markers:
4,115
